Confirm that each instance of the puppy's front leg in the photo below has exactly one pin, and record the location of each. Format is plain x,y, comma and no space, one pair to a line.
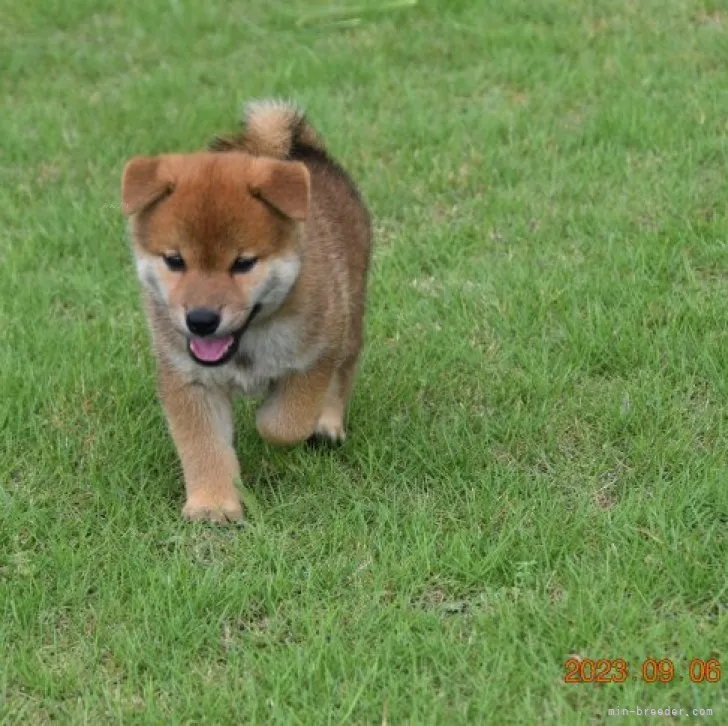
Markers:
200,420
290,413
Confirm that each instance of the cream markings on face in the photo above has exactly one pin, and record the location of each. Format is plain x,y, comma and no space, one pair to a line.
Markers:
282,275
147,271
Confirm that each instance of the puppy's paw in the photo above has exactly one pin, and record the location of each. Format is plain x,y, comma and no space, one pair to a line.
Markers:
329,430
209,509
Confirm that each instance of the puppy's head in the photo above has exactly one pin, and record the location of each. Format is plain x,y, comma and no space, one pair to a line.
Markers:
215,238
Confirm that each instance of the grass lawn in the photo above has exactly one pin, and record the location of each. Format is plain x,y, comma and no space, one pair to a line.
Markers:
537,462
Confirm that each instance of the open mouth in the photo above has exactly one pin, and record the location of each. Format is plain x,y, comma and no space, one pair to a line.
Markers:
211,351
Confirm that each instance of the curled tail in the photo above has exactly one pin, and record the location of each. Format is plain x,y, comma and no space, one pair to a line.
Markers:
272,128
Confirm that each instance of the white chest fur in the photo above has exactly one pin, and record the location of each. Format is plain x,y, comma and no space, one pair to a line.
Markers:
267,352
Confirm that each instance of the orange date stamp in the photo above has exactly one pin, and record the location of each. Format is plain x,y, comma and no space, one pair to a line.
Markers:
604,670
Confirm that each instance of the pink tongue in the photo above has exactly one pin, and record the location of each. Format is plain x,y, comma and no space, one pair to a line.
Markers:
210,349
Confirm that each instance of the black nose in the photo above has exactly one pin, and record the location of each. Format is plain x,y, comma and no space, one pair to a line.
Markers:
202,321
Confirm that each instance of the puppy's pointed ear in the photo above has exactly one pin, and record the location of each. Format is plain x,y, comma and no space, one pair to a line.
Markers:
284,185
142,183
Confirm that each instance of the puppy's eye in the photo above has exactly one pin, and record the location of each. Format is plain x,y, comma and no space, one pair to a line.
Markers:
243,264
174,262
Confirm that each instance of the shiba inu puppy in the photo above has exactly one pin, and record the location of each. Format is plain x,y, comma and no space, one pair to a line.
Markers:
253,259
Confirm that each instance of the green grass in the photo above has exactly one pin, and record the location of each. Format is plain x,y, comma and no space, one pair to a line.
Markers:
537,460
